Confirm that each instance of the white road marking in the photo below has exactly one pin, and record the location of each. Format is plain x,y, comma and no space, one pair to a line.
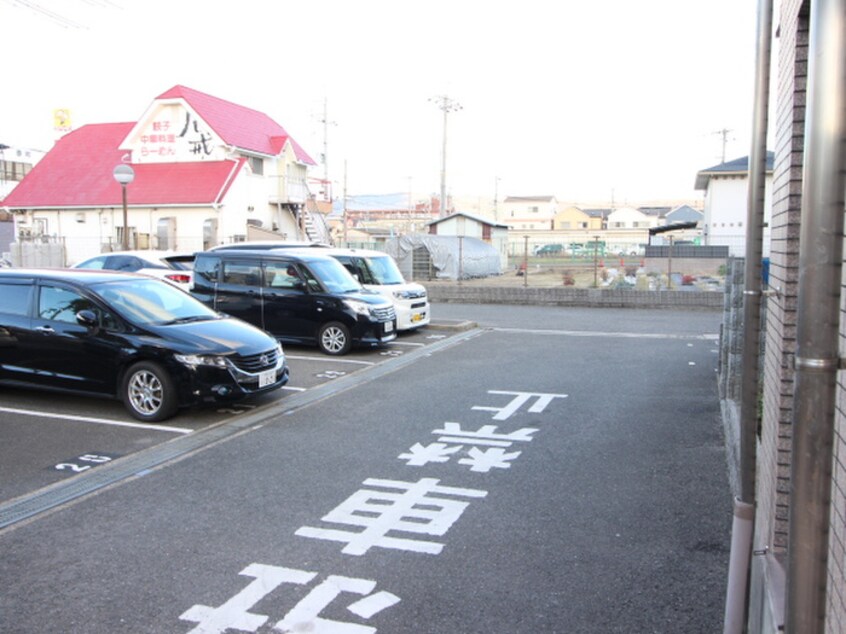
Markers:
332,360
594,333
98,421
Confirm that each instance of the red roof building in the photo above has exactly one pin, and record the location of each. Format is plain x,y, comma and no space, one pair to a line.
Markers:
206,171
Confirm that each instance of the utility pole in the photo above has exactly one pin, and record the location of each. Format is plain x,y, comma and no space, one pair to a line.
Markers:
724,134
496,195
345,203
326,123
447,105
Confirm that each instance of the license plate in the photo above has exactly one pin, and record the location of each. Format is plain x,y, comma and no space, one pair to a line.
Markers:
267,377
389,326
417,317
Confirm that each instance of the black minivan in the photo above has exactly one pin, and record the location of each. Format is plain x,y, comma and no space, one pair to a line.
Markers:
128,336
297,295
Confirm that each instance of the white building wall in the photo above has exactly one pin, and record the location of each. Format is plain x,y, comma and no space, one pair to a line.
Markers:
630,218
726,203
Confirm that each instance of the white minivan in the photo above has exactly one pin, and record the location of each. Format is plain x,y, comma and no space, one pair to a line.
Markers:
379,272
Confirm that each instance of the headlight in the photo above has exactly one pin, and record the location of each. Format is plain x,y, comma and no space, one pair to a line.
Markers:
402,294
194,360
362,308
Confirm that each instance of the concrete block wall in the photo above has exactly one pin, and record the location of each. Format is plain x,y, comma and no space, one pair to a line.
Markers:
566,296
36,254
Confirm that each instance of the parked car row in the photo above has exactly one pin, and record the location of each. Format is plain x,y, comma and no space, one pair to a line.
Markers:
374,270
131,337
298,296
161,331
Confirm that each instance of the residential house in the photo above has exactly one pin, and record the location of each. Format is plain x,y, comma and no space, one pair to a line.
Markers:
15,163
630,218
466,225
726,188
205,170
529,213
683,213
572,218
598,218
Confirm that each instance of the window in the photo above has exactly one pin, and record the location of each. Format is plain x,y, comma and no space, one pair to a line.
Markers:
241,273
15,298
61,304
207,268
13,170
257,165
283,275
126,263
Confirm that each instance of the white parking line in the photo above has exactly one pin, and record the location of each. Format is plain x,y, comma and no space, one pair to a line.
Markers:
594,333
98,421
330,359
406,343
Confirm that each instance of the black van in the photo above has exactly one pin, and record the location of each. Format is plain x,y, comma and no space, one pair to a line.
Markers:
298,296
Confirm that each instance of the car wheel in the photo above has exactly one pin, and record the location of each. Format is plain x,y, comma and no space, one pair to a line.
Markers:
334,338
148,392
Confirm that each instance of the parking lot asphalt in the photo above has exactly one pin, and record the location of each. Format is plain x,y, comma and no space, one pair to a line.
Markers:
50,439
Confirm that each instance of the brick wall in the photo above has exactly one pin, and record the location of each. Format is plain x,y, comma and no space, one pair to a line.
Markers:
788,88
774,449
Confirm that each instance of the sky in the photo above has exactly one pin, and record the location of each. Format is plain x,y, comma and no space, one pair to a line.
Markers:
606,101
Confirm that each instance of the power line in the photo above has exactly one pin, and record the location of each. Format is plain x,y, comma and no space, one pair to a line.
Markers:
57,18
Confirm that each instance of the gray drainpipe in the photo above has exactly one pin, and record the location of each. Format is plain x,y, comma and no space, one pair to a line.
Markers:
744,506
817,331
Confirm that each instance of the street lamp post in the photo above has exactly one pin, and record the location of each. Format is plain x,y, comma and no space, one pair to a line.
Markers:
124,175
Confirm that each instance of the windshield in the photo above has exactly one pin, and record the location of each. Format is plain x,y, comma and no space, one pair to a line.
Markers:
333,276
145,302
384,270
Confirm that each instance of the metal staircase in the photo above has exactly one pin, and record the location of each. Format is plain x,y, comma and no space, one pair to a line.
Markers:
313,223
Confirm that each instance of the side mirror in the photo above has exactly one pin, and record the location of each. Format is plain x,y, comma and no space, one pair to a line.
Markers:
87,318
299,285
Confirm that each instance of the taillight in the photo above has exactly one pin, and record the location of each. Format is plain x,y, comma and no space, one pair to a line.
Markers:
180,278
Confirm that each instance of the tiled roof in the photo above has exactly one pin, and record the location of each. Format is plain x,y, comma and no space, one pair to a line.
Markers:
479,219
737,167
238,126
517,199
77,172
